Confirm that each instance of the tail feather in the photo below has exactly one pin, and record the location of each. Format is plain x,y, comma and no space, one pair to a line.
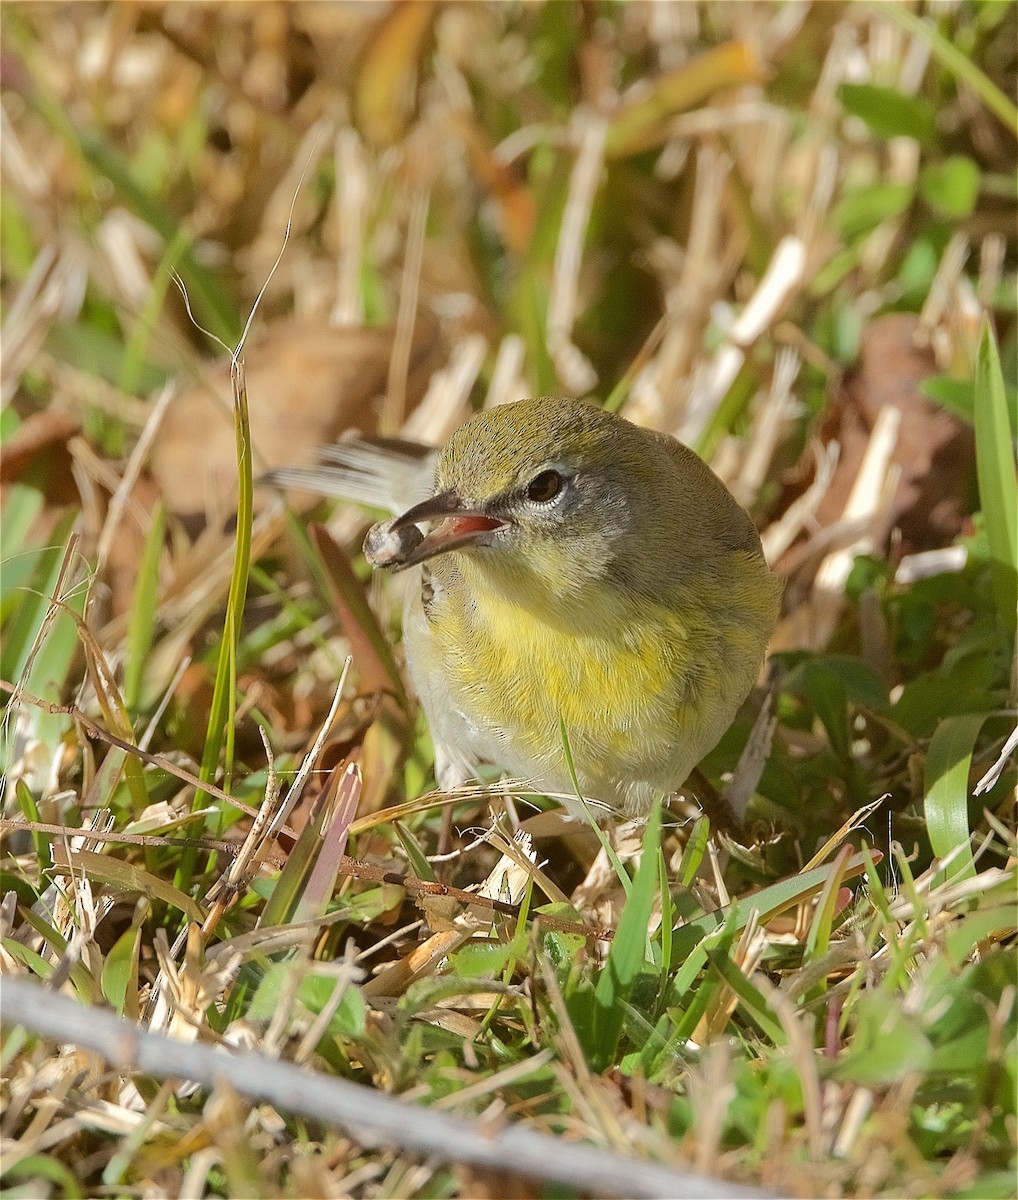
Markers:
384,473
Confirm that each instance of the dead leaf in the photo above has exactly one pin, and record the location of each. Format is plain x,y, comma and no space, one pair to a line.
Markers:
483,1184
935,450
37,453
306,381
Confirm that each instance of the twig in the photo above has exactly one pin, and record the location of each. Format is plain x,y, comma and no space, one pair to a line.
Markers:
128,839
155,760
783,276
394,407
353,867
372,1117
573,369
995,772
125,489
353,191
423,887
867,503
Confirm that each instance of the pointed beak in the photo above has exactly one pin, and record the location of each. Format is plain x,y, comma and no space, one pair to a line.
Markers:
457,525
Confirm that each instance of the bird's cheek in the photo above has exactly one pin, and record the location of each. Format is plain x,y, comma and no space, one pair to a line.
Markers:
567,564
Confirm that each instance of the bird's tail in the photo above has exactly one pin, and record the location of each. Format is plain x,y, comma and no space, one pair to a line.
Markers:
387,473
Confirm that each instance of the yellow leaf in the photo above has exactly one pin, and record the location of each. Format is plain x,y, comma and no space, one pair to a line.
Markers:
384,92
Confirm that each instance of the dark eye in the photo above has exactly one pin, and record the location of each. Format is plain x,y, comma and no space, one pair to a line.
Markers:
545,487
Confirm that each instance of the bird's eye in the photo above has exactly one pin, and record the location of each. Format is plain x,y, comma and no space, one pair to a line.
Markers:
543,488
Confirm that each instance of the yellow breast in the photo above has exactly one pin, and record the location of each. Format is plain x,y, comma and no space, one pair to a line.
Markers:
643,689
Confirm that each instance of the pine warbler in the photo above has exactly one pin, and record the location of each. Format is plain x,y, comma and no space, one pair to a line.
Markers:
576,570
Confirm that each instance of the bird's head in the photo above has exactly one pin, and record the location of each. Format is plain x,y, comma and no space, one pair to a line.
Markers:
542,494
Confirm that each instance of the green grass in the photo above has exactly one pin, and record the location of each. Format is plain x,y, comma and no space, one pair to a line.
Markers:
820,1003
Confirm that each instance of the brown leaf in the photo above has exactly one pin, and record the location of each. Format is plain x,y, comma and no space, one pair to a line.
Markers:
120,567
37,453
483,1184
935,451
306,381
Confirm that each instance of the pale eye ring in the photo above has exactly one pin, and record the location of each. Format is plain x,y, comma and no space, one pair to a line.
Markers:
543,488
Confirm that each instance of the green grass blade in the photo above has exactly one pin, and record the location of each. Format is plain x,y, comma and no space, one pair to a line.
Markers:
141,631
995,468
720,942
44,642
667,921
26,598
693,963
628,951
696,848
292,879
752,999
819,937
41,841
602,837
947,792
21,508
769,901
35,1168
125,876
221,715
120,972
419,864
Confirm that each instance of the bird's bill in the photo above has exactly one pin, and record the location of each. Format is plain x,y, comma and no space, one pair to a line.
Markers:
457,525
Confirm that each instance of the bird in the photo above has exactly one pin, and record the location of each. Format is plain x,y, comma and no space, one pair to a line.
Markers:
590,605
